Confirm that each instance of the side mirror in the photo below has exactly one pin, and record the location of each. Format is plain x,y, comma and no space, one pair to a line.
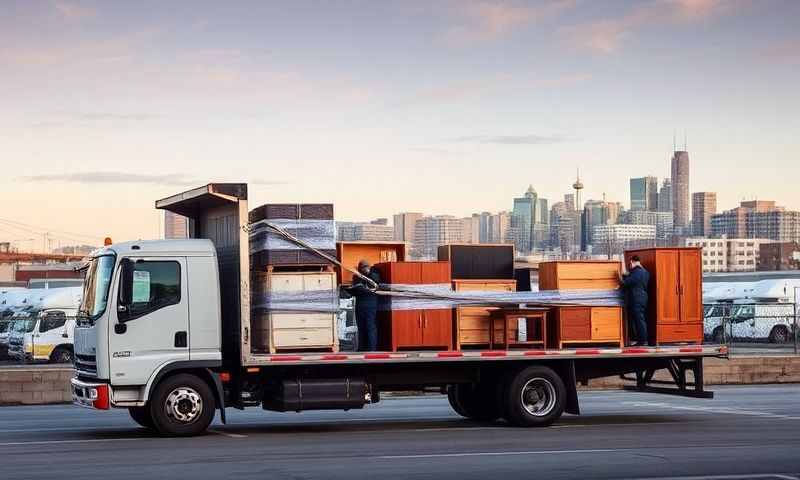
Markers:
125,289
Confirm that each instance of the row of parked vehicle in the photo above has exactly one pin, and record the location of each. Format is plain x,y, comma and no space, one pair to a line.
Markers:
37,324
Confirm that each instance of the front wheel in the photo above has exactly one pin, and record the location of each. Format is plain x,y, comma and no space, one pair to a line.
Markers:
61,355
779,334
182,406
535,397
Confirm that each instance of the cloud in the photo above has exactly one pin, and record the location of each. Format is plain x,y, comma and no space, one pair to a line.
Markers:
66,119
607,35
72,11
531,139
488,20
786,51
171,179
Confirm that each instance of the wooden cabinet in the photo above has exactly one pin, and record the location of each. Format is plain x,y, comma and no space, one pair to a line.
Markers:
472,325
579,275
415,329
675,294
350,253
585,325
277,325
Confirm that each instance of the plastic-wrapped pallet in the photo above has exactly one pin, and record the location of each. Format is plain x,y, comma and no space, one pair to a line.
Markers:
311,222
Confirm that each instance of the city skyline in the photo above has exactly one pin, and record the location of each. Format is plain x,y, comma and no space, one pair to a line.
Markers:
446,107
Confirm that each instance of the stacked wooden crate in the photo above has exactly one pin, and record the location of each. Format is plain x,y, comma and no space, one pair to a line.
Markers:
294,291
481,267
582,325
415,329
675,307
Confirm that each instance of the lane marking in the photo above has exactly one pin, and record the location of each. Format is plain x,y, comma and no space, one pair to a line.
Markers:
727,410
227,434
495,454
53,442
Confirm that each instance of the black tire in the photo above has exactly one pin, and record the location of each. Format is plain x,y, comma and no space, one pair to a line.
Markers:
182,406
141,415
779,334
61,355
535,397
451,397
479,401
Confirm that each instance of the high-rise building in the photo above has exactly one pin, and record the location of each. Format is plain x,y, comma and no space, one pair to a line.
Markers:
779,225
530,222
665,196
175,226
374,231
499,225
728,254
704,205
615,239
430,232
755,219
470,229
405,225
680,192
595,212
661,220
644,193
615,211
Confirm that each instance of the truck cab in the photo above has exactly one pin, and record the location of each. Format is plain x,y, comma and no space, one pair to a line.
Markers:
46,334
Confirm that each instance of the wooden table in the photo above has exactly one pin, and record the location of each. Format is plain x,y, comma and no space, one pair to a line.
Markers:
536,327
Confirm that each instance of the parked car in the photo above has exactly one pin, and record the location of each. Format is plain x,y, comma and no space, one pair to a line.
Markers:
753,322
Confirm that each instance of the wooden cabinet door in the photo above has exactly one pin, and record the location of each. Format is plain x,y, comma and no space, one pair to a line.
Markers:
667,284
407,328
691,288
437,328
575,324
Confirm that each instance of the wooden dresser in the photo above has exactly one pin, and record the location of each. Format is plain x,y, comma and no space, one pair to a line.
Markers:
415,329
582,326
675,308
274,329
472,325
579,275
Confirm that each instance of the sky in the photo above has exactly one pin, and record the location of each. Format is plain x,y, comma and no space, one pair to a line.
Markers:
443,107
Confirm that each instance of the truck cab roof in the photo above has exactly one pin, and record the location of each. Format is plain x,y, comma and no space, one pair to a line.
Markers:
193,247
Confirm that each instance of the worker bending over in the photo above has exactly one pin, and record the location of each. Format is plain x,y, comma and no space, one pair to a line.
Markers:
366,306
635,285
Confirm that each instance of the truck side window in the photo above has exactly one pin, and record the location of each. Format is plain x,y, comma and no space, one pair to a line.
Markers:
155,285
50,322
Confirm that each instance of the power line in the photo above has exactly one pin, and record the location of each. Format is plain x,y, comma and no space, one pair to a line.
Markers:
41,230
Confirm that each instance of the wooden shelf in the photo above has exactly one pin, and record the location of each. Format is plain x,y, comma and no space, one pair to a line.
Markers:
536,328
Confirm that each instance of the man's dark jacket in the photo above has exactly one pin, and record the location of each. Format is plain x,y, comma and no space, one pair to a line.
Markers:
636,286
367,299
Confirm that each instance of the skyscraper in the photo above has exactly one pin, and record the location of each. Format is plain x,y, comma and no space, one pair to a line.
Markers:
530,222
430,232
665,196
578,186
680,192
704,205
644,193
405,225
595,212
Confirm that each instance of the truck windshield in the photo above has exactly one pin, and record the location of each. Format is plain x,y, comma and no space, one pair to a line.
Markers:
95,286
24,326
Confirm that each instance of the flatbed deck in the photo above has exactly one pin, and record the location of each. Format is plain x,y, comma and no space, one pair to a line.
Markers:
683,351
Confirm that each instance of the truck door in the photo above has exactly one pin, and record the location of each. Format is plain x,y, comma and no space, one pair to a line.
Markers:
152,329
49,333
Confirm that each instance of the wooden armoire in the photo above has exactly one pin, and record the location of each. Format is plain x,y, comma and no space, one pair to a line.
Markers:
401,329
675,309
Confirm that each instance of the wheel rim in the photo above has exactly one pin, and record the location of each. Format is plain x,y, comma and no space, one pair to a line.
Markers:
781,335
538,397
184,405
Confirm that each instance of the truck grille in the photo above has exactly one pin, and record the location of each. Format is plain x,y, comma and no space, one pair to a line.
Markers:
86,364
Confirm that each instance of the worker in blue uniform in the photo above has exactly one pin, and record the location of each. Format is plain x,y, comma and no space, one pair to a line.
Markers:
635,284
366,306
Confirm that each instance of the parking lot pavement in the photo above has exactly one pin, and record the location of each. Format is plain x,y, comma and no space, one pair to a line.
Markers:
746,432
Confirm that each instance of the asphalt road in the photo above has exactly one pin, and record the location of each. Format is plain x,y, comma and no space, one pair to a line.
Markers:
746,432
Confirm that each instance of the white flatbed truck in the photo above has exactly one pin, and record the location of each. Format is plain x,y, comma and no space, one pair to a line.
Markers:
164,331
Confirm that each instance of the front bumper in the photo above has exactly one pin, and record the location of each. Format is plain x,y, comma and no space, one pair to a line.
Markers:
91,395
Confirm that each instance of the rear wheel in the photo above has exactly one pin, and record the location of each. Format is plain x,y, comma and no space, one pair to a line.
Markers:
451,397
535,397
182,406
718,336
779,334
61,355
141,415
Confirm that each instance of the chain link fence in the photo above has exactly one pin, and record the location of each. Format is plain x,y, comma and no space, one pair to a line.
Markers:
752,328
